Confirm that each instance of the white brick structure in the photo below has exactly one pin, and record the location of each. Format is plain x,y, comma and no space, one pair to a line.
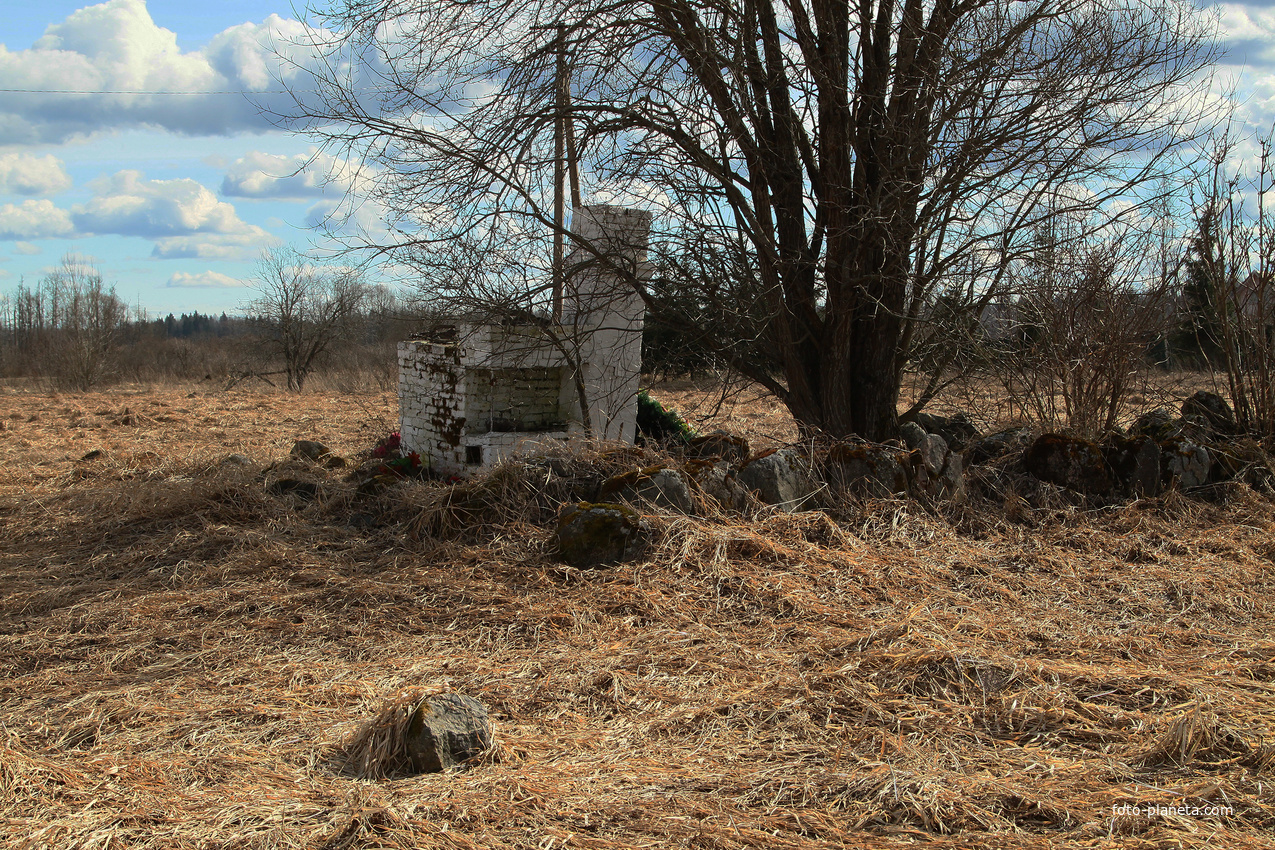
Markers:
493,390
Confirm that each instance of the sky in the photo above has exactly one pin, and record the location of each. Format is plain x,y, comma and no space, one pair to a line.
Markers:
174,187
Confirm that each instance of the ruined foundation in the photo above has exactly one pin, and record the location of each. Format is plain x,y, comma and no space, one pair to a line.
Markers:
484,392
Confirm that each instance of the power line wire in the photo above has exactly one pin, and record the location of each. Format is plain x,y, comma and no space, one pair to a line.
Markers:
134,91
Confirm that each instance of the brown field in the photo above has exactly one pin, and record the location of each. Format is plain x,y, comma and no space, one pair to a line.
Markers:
185,655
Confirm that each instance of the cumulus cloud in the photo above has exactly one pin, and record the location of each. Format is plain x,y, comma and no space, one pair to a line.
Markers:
203,280
211,247
27,174
127,204
182,217
40,219
300,177
1246,33
117,47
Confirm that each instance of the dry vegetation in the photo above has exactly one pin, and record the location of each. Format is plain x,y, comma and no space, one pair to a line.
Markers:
186,655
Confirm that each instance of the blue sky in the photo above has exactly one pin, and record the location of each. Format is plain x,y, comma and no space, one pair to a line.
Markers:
174,196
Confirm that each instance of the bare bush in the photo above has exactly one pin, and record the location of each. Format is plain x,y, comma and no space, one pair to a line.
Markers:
1231,267
1088,311
68,328
303,310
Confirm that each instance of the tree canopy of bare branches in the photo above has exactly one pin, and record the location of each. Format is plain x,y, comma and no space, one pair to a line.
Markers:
69,326
303,309
818,169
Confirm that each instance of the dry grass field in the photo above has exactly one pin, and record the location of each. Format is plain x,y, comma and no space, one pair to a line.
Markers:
185,654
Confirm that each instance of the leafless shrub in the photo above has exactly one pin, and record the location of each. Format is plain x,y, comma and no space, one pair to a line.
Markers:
69,327
303,310
1231,272
1087,312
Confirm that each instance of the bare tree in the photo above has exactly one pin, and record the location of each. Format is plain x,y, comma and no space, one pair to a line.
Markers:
69,327
1088,311
304,309
819,169
1230,280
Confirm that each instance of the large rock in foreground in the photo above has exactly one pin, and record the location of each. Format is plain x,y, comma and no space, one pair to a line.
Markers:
1069,462
781,478
599,535
867,469
445,731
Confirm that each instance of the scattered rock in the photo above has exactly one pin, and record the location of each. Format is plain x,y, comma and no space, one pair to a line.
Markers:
659,487
781,478
1069,462
912,434
957,430
1186,463
1158,424
1214,410
718,444
940,473
1135,464
316,452
96,454
445,731
997,445
600,534
236,460
952,478
933,450
865,469
717,481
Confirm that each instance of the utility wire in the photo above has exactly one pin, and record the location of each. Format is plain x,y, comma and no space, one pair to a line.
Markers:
134,91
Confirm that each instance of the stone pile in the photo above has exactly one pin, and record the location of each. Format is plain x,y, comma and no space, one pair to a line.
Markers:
937,460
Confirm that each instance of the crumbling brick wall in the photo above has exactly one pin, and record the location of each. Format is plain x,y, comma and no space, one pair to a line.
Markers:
491,390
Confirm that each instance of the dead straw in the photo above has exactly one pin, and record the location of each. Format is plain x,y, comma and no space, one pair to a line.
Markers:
187,656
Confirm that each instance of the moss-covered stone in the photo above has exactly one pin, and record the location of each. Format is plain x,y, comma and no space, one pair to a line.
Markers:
1070,462
866,469
591,535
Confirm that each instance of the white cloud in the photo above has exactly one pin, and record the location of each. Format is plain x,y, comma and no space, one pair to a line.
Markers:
27,174
127,204
182,216
212,246
117,47
299,177
27,249
1244,22
34,220
203,280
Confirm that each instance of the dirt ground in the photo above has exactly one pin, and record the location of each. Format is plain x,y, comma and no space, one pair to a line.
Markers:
186,653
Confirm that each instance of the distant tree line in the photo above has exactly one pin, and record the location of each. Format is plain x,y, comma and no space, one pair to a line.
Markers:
71,331
197,324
